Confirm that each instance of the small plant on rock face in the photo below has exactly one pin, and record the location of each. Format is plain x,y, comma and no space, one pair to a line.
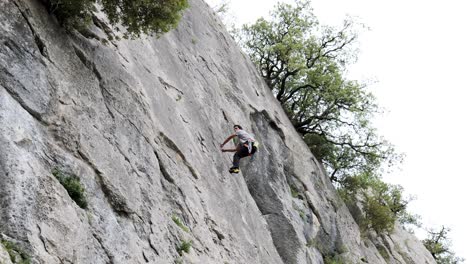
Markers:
294,191
17,255
184,247
383,252
179,223
74,188
311,243
302,214
333,259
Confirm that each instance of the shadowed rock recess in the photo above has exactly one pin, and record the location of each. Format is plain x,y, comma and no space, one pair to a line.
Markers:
139,123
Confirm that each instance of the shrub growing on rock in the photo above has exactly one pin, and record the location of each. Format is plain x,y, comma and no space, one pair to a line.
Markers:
378,215
184,247
74,188
382,204
179,223
17,255
137,16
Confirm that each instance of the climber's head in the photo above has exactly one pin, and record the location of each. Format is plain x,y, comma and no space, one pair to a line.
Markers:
236,127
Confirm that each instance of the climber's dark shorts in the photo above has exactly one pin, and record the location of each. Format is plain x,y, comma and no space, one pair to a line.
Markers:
244,151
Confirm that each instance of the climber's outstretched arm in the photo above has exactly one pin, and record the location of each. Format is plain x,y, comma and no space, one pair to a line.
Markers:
228,150
227,140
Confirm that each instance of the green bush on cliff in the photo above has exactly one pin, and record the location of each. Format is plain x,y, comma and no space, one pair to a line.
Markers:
179,223
332,259
184,247
382,203
137,16
17,255
378,215
74,188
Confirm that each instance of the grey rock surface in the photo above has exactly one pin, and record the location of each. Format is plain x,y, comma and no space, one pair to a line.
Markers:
139,122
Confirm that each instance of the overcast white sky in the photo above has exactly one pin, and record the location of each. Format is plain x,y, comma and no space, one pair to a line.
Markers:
418,52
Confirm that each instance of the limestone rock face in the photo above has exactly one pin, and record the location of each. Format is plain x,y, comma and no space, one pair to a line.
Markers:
140,122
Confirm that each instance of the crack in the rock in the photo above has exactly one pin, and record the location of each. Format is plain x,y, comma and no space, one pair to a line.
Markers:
167,177
204,78
104,98
109,255
183,119
85,32
37,39
167,85
163,169
201,139
83,58
37,116
127,159
104,92
169,143
41,237
92,66
206,64
313,209
119,207
152,246
99,24
224,116
20,50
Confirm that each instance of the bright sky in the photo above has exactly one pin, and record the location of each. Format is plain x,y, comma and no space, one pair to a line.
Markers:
418,52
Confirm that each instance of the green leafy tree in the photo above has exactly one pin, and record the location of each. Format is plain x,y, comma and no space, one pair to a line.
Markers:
383,204
304,65
439,245
137,16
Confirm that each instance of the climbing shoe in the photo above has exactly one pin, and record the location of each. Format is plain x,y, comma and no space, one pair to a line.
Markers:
234,170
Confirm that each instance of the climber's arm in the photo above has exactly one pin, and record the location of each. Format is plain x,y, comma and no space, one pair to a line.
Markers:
227,140
228,150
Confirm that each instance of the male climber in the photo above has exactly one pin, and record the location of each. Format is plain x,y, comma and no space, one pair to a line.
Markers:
246,147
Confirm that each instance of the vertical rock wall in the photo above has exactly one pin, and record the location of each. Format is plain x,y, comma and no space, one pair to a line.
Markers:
139,122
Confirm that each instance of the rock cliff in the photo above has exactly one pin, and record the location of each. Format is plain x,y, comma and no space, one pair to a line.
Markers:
139,122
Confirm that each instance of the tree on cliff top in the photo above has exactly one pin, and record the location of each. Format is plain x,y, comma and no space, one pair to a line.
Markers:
439,245
137,16
304,65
